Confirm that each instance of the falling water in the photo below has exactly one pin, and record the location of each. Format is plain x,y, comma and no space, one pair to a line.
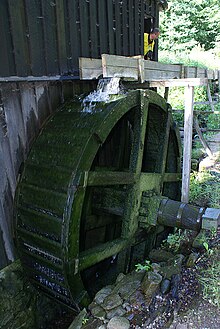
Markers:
105,88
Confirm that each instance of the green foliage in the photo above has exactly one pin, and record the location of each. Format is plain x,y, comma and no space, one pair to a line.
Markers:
85,320
209,279
145,267
174,241
187,23
204,189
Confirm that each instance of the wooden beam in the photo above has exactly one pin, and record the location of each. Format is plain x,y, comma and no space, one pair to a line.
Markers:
210,98
121,66
203,141
187,148
90,68
135,68
178,82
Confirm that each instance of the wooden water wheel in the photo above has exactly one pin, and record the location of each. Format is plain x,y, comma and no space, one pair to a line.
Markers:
78,204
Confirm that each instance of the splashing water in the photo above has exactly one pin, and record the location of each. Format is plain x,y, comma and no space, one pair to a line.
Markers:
105,88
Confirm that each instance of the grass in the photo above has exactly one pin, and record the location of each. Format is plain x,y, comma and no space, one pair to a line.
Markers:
209,278
204,189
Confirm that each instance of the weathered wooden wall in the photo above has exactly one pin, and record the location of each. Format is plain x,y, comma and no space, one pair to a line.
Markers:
42,37
24,107
46,38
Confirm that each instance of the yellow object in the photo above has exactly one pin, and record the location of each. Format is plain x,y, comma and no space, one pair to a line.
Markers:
148,46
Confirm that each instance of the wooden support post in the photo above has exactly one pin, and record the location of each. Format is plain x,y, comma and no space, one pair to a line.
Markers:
166,93
187,149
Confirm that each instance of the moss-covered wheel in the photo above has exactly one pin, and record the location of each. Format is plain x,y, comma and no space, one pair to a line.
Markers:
79,201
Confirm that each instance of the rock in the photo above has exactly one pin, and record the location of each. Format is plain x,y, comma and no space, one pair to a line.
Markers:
127,307
77,322
92,324
120,277
150,284
175,283
97,311
118,323
159,255
118,311
155,267
182,326
192,259
165,286
102,294
137,298
129,284
112,301
174,266
199,240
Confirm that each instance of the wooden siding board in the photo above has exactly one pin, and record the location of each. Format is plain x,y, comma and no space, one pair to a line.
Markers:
6,239
111,33
141,38
7,63
136,28
29,112
102,17
61,36
93,28
15,126
50,37
131,27
36,41
125,29
84,27
118,32
19,36
67,37
74,32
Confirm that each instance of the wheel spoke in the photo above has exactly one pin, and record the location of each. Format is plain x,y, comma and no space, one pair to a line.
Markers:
95,255
139,134
103,178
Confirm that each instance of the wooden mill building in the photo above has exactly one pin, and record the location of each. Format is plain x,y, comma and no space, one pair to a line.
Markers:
41,42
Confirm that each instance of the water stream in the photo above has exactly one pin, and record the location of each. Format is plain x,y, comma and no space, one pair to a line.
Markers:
105,88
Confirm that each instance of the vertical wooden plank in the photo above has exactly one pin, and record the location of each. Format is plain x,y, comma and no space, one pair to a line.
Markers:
84,27
131,27
93,20
6,243
102,17
36,41
136,28
118,32
74,32
50,36
19,37
15,127
187,149
141,42
125,29
61,36
7,62
29,112
111,31
69,68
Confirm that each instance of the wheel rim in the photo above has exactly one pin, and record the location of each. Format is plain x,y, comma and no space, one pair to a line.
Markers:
75,174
